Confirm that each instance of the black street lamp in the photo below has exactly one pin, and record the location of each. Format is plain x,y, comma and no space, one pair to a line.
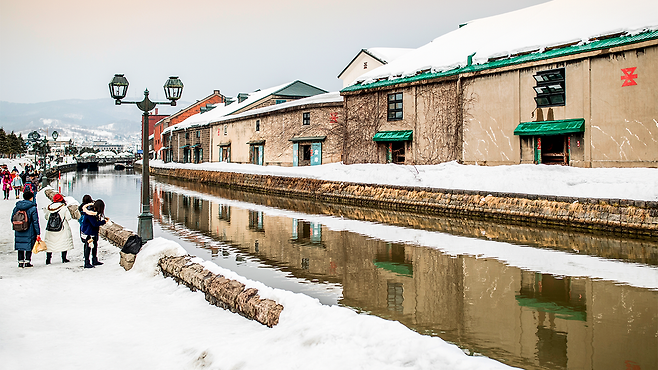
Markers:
173,90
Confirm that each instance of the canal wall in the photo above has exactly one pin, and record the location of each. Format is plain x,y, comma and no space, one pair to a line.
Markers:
219,291
623,216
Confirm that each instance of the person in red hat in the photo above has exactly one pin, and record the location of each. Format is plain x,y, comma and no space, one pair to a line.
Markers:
58,236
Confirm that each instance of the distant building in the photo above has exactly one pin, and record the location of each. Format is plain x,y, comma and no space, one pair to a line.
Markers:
104,146
189,141
201,106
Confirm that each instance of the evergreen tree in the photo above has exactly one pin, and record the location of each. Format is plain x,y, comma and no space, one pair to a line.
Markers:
4,145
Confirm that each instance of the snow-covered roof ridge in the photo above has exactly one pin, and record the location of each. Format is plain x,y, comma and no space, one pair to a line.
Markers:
386,55
330,97
557,22
201,119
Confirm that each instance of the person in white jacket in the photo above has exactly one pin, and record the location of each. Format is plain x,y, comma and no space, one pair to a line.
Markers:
62,240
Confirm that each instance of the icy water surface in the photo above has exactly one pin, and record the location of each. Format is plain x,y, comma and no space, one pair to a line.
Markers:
529,297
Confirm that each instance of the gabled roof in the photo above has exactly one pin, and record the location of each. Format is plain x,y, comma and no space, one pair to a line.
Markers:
332,97
215,93
293,89
382,55
528,31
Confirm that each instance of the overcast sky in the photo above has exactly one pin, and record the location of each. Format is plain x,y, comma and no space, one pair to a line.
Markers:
70,49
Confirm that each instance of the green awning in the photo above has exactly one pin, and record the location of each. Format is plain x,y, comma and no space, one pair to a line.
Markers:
548,128
402,135
183,147
307,138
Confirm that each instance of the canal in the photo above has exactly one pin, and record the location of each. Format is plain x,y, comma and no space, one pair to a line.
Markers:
536,298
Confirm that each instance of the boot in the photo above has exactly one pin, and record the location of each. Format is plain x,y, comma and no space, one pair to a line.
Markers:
49,256
87,264
27,264
94,258
21,263
64,260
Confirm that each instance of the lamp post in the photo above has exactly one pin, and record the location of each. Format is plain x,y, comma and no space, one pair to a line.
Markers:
173,90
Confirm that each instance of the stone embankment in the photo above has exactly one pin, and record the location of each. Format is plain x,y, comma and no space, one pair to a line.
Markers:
623,216
220,291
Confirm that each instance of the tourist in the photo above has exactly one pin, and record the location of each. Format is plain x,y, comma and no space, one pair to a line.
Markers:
30,185
94,218
6,184
86,201
58,240
17,184
24,240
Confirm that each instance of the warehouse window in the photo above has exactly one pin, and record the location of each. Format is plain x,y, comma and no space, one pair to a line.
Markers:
550,88
395,107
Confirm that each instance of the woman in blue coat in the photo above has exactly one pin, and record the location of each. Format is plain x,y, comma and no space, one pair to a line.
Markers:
93,220
24,240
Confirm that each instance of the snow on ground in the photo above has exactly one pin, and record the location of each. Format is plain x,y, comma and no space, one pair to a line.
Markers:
63,316
623,183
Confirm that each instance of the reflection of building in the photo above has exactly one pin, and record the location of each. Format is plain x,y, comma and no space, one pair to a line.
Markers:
524,318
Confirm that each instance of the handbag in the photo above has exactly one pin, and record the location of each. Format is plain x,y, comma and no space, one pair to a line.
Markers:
39,246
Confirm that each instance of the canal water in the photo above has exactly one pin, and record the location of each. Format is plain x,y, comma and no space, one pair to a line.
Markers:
536,298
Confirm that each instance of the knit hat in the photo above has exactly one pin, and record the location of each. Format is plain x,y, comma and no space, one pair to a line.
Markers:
58,198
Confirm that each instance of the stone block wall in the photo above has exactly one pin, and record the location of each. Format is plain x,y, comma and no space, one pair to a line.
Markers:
614,215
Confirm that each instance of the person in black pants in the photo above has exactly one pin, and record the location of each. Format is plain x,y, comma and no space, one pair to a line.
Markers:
94,218
24,240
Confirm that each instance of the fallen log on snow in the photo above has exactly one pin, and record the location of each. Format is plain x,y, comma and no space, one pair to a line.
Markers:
220,291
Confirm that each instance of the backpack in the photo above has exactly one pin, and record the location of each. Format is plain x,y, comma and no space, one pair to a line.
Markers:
54,222
133,244
20,221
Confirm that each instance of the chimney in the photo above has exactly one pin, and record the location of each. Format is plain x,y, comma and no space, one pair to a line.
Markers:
156,111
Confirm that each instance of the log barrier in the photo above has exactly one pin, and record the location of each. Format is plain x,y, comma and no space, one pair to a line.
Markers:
219,291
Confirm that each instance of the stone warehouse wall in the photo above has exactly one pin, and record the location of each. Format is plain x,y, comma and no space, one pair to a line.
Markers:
613,215
220,291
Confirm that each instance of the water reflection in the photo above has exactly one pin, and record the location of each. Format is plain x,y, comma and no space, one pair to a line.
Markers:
523,318
519,315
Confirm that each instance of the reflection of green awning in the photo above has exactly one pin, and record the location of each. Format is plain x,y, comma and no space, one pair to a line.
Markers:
183,147
396,268
402,135
562,312
196,145
548,128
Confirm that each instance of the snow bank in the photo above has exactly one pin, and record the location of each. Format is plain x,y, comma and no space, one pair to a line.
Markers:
622,183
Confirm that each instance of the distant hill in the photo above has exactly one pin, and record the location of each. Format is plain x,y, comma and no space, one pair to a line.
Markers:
82,120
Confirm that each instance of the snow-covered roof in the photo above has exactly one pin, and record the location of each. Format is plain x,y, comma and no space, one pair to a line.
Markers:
387,55
105,154
554,23
201,119
332,97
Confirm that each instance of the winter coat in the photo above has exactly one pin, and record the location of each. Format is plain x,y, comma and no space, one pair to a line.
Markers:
58,241
6,182
91,221
17,182
24,240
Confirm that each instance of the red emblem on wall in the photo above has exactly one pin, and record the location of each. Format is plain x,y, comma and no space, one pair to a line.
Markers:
629,76
334,118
